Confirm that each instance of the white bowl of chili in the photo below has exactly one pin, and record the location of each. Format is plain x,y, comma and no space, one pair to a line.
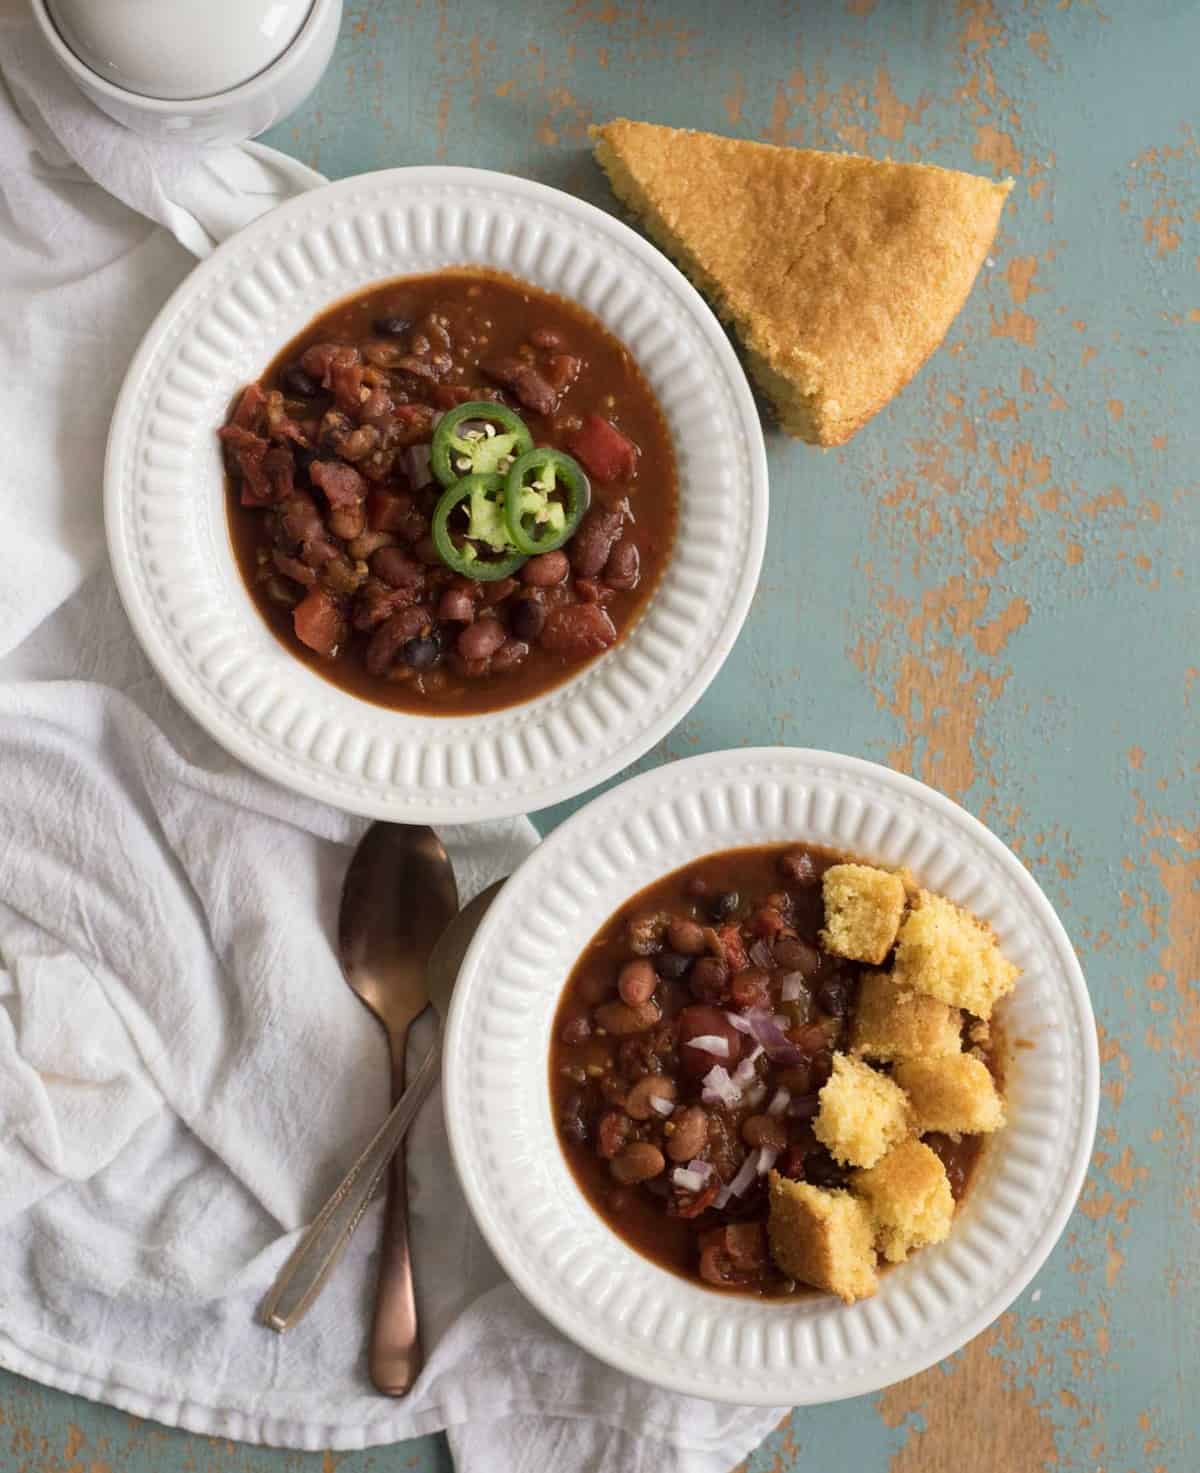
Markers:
589,1281
165,498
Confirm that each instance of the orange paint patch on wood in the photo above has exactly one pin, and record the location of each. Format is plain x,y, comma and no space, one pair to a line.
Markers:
996,148
1018,325
1010,1432
735,99
1039,43
1116,410
893,115
1019,275
1137,756
860,7
992,637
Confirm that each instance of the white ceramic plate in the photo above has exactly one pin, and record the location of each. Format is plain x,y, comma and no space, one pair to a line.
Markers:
583,1277
165,508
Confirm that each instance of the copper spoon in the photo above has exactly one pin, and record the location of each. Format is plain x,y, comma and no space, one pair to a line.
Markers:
303,1275
398,897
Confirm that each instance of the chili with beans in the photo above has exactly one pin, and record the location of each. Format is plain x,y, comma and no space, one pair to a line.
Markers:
450,492
668,990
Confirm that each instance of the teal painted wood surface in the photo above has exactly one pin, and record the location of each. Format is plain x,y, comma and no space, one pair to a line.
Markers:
992,587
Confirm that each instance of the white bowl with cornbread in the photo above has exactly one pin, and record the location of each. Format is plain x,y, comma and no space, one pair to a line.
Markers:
652,1323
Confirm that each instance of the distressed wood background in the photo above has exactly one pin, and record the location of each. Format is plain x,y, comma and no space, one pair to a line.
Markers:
993,588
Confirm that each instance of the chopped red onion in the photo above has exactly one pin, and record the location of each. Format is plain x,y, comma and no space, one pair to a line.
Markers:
780,1100
767,1156
793,987
746,1173
718,1089
703,1169
769,1033
663,1106
711,1043
722,1197
745,1072
739,1022
688,1181
760,954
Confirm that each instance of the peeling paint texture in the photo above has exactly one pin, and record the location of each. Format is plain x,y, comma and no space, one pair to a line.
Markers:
992,587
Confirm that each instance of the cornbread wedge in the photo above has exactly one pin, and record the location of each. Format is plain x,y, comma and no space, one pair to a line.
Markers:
840,274
862,1113
822,1238
908,1194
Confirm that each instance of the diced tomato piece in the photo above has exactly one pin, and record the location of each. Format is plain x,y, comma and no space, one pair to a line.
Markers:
606,453
318,622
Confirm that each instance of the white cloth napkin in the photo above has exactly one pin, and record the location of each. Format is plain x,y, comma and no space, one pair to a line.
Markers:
183,1074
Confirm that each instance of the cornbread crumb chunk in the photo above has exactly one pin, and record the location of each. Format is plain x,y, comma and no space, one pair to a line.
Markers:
862,1113
863,906
908,1194
947,953
955,1094
823,1238
892,1022
840,274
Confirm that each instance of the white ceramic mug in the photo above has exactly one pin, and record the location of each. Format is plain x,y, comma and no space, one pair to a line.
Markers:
155,72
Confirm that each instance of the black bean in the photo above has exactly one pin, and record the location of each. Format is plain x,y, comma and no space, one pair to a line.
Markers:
822,1170
391,327
832,997
671,965
296,381
421,653
527,618
724,906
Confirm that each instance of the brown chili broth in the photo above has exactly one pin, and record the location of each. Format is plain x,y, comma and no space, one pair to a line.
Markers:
642,1221
515,308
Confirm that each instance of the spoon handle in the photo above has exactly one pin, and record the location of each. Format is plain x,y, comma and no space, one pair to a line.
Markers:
300,1279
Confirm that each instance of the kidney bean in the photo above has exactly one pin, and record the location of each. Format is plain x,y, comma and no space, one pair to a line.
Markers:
527,618
765,1130
481,640
394,632
509,655
639,1101
619,1019
592,543
700,1021
689,1133
638,1162
636,982
497,592
546,570
457,606
709,979
623,568
686,936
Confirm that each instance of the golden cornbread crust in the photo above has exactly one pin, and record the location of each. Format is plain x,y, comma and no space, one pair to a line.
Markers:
893,1022
861,1113
863,906
909,1198
956,1094
841,274
823,1238
944,951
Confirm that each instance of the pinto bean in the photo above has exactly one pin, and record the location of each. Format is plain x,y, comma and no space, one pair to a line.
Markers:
510,654
689,1134
686,936
765,1130
619,1019
623,568
636,982
481,640
709,979
546,570
638,1162
457,606
639,1103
